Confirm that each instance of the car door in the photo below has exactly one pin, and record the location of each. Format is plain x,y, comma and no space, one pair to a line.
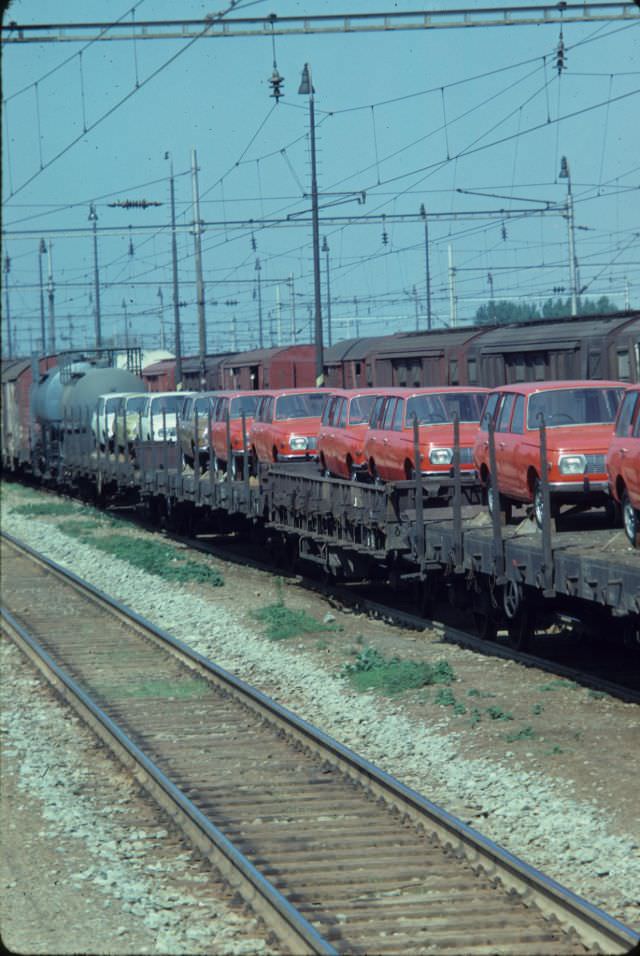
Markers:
631,458
481,447
388,453
505,451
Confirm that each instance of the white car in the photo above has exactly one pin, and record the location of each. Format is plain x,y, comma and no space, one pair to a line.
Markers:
103,420
160,416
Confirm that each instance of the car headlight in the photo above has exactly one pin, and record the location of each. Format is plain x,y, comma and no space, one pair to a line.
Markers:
441,456
298,443
572,464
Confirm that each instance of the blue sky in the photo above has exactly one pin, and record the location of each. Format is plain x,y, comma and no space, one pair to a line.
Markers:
412,117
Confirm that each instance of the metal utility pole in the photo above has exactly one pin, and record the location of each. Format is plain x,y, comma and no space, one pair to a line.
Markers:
93,217
278,315
197,238
126,324
565,173
7,270
176,299
415,299
258,270
452,291
52,321
163,340
492,305
325,249
427,268
306,89
293,309
43,335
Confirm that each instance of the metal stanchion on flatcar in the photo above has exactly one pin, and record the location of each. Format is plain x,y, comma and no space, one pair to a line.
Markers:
417,457
196,445
165,448
245,456
498,549
139,448
457,493
227,421
543,490
210,427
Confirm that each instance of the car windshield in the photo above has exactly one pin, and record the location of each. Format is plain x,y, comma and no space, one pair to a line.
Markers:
300,406
574,406
439,408
114,404
246,404
165,403
360,410
136,405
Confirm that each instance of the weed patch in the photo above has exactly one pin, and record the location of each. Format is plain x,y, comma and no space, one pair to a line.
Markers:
558,685
497,713
282,622
537,709
474,692
46,509
525,733
372,671
150,556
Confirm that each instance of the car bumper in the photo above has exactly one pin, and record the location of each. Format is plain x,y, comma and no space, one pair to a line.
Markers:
301,456
583,486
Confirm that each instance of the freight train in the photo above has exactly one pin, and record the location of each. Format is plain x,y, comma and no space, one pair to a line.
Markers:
514,577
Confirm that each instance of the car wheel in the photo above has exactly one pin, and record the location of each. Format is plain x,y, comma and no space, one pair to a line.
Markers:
352,471
630,520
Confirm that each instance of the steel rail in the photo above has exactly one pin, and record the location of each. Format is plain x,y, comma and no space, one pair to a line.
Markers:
594,927
356,22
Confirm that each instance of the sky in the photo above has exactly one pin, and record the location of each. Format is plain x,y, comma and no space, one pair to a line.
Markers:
470,123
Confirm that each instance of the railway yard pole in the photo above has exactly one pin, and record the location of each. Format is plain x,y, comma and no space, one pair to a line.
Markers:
93,217
306,89
41,251
325,249
7,270
176,299
197,238
565,173
427,268
52,321
258,269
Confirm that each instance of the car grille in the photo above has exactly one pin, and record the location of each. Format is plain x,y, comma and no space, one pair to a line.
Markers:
466,456
595,464
312,442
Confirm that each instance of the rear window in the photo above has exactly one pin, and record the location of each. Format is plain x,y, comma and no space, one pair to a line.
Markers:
246,404
136,404
300,406
574,406
165,403
360,410
440,407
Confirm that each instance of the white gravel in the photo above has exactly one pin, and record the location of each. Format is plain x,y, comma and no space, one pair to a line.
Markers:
532,816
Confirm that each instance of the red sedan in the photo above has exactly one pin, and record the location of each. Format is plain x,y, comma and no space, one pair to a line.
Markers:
342,432
286,425
623,463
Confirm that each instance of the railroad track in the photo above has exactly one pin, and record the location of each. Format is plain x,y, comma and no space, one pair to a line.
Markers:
333,854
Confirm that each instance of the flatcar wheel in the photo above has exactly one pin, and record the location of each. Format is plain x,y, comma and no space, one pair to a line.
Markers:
630,520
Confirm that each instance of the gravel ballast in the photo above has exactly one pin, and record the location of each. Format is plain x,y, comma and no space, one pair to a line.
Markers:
535,816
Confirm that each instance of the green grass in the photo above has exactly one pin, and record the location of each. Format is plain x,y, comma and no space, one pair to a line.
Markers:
151,556
46,509
282,622
181,689
525,733
372,671
537,709
497,713
558,685
474,692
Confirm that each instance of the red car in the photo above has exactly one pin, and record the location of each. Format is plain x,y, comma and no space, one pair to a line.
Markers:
623,463
579,420
286,425
389,442
233,404
342,432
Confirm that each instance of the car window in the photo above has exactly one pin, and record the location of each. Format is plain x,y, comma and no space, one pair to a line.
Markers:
301,405
502,424
467,405
428,409
328,411
114,404
625,414
202,405
397,418
341,419
267,409
246,404
360,409
636,427
377,409
221,410
489,410
165,403
186,408
389,412
135,405
517,421
574,406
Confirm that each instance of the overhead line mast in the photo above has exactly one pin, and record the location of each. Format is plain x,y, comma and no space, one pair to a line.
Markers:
273,25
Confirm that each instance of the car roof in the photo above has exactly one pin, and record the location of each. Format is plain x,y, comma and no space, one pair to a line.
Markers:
528,388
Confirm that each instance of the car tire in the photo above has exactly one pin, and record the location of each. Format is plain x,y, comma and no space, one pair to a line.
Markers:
630,520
